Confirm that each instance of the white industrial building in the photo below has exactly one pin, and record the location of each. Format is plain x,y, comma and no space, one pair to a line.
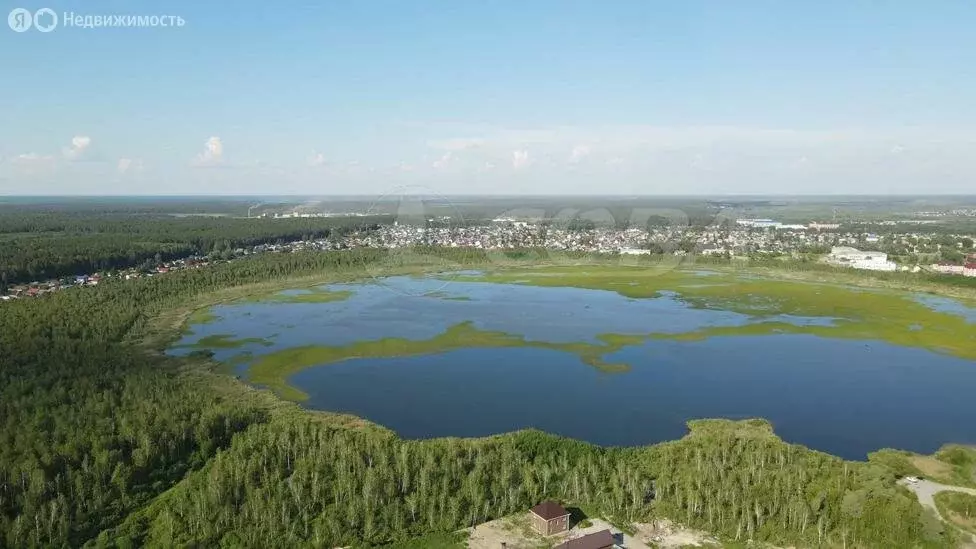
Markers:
634,251
852,257
823,226
769,224
759,223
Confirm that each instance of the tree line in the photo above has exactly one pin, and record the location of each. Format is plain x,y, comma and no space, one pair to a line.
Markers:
36,246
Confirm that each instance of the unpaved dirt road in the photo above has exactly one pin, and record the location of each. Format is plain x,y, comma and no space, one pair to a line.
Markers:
926,491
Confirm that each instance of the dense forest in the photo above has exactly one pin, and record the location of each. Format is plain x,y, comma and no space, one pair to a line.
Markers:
46,244
106,442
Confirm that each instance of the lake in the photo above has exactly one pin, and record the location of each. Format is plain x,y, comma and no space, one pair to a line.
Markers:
843,396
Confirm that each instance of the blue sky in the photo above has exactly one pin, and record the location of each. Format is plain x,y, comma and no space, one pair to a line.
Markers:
633,97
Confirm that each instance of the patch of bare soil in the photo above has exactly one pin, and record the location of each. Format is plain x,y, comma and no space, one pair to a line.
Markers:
510,532
666,534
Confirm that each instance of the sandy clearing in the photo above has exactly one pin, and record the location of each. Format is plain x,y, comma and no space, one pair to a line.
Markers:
666,534
516,533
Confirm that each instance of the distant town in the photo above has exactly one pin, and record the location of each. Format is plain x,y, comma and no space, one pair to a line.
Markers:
829,242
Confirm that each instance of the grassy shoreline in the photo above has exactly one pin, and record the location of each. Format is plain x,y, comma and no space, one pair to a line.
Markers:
314,294
274,369
868,313
864,312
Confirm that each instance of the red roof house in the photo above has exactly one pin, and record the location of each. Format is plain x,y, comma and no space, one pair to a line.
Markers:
597,540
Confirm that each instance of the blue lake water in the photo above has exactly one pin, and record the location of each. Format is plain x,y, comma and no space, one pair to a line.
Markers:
840,396
947,305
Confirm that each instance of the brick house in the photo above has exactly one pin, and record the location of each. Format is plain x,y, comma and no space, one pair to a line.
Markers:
549,518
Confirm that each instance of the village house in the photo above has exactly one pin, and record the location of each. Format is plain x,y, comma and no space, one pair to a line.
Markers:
597,540
948,268
549,518
968,269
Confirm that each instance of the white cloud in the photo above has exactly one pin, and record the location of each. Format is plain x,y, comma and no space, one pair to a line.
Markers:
213,153
33,165
699,162
444,161
520,159
721,158
457,143
579,153
80,145
617,159
616,140
315,159
128,165
353,167
33,157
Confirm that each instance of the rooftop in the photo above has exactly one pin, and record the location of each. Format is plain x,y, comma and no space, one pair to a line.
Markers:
596,540
548,510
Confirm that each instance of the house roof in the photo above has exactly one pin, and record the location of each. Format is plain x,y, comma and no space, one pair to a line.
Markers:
596,540
548,510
